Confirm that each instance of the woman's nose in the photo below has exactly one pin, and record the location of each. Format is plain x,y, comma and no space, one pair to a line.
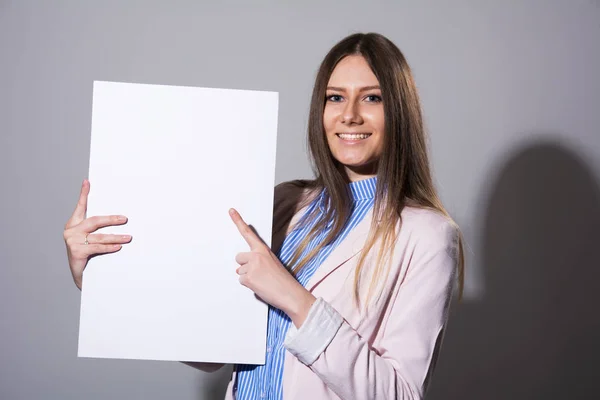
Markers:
351,114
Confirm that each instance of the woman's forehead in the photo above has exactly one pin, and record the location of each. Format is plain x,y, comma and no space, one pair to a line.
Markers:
352,71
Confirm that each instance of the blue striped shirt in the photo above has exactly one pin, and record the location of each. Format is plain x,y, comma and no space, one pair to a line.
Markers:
265,381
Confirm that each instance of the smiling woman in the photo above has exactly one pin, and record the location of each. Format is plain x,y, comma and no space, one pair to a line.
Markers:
353,118
365,259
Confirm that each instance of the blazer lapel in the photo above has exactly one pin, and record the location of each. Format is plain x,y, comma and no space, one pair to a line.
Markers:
348,248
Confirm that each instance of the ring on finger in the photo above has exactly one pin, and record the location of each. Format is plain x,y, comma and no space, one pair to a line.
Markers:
86,239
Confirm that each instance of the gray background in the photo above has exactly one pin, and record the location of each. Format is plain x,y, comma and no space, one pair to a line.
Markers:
511,98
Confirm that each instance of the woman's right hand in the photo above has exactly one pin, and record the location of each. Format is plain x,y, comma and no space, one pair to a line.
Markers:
81,243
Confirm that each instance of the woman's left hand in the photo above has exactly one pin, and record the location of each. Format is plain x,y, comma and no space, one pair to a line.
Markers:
263,273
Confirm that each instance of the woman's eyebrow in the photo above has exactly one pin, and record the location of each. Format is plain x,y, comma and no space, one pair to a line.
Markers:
363,89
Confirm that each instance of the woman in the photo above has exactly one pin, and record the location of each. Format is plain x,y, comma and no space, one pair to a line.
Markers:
364,257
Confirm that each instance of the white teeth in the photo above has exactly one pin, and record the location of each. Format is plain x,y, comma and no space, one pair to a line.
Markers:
353,136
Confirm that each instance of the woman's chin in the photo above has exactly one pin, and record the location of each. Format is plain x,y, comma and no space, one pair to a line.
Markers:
351,158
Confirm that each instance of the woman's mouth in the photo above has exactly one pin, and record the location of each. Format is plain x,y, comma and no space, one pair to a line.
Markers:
353,137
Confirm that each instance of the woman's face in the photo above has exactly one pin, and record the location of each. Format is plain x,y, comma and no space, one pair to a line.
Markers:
353,118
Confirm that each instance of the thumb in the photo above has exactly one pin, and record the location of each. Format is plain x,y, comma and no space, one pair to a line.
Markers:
81,208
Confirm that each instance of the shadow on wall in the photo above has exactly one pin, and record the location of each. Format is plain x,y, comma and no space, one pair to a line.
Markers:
535,334
213,385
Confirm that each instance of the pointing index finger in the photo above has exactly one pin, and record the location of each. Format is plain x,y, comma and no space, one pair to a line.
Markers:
247,233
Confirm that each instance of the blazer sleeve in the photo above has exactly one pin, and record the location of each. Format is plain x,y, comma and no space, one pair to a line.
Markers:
398,366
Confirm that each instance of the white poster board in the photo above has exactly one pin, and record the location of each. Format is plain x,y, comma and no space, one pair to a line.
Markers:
174,160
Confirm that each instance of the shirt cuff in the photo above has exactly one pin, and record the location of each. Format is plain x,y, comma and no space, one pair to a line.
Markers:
315,334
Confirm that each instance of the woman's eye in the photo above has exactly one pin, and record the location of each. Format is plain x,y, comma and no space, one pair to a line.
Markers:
373,98
334,98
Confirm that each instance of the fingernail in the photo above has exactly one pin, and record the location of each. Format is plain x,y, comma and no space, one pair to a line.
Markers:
121,218
117,246
231,211
126,237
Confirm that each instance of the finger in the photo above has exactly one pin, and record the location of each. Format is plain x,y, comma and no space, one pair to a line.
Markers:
102,248
247,233
243,258
108,239
243,270
81,208
85,251
92,224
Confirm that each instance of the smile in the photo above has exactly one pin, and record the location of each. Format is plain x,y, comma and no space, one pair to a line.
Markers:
353,136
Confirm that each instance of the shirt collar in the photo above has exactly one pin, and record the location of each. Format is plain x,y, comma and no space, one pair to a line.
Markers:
364,189
360,190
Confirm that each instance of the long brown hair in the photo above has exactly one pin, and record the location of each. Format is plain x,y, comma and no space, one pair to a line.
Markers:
403,171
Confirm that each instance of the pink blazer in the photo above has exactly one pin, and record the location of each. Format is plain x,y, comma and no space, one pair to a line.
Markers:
388,352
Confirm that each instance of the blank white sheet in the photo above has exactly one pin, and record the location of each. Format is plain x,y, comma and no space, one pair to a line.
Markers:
174,160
